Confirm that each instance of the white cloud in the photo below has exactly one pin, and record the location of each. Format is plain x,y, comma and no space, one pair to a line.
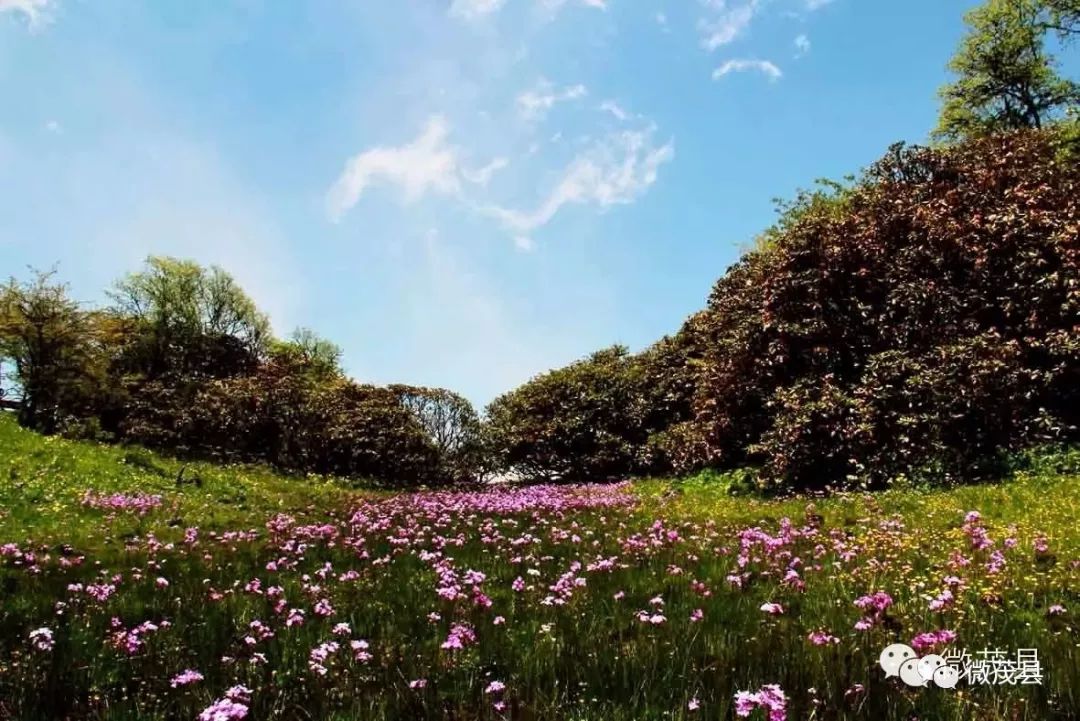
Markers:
474,9
481,176
615,171
726,22
741,66
802,46
816,4
425,164
54,127
524,243
535,103
612,107
556,5
36,12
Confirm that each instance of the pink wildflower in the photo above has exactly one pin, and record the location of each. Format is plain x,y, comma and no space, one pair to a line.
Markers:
224,710
461,635
822,638
769,697
185,677
932,639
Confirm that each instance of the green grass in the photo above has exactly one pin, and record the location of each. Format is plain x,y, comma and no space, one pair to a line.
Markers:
590,658
43,479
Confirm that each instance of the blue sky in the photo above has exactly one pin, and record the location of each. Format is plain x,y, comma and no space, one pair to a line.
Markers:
460,193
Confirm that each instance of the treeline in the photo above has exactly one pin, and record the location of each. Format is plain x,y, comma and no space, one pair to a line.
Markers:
183,361
918,322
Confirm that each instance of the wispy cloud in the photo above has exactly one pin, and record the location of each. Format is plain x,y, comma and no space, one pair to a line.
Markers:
802,46
481,176
816,4
616,170
425,164
610,106
726,21
556,5
742,66
36,12
474,9
535,103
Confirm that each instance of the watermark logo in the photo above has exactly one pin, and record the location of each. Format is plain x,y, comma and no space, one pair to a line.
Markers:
988,667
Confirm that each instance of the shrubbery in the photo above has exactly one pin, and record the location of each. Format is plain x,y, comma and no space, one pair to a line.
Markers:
184,362
279,415
582,422
925,315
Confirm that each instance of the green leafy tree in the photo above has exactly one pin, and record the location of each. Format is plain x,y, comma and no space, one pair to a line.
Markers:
188,319
1006,78
49,341
310,353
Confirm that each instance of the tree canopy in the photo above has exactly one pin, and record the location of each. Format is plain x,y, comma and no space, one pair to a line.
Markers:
186,315
1006,78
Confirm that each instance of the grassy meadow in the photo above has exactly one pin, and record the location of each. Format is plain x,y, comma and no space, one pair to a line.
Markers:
237,593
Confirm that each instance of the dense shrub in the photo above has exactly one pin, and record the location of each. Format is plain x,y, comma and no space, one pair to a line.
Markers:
364,431
926,315
584,421
958,409
279,416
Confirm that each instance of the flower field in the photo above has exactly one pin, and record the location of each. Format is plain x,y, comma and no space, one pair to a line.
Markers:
125,593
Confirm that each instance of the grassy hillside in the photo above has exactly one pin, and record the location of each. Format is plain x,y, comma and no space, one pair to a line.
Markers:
640,601
43,481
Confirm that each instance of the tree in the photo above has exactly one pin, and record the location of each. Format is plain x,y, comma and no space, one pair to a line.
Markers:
189,319
584,422
48,339
451,425
1005,77
310,353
